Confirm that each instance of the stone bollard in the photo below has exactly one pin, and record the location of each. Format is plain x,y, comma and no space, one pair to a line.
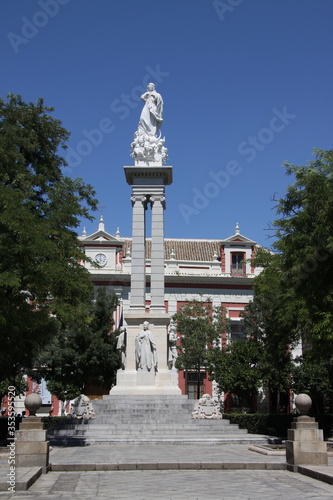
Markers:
32,449
305,444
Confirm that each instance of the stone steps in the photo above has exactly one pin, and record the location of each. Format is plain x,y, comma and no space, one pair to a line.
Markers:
84,441
149,420
145,433
160,427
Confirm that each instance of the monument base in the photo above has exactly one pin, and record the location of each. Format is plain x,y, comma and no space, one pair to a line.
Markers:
130,383
134,382
32,448
305,445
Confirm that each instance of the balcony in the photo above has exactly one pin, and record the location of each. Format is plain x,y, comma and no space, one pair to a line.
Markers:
238,269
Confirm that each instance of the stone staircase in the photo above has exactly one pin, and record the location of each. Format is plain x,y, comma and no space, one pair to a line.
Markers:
148,420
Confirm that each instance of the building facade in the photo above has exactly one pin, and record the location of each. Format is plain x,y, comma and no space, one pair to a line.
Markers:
216,271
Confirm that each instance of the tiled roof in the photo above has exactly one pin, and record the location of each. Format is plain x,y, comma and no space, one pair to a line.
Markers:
191,250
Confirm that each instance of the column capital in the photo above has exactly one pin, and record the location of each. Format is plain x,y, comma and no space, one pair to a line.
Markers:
158,198
138,198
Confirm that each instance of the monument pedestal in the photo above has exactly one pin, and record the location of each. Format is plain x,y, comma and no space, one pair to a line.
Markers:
147,332
305,445
32,449
132,381
131,384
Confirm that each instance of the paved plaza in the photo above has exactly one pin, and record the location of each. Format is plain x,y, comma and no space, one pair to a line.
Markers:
171,485
187,472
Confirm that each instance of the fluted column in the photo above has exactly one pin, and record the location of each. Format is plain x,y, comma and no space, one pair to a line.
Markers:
138,272
157,252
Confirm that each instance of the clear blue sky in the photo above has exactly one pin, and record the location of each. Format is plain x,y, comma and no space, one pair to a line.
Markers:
227,72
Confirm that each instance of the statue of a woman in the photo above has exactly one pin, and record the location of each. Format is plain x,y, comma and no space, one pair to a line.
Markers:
145,350
152,114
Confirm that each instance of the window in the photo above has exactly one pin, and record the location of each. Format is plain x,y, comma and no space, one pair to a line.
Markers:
192,384
237,264
236,331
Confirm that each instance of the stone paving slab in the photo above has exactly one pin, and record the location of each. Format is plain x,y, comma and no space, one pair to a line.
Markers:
319,472
173,472
176,485
24,478
158,453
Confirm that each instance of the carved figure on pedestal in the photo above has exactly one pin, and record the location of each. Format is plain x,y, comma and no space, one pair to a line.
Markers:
145,349
173,354
148,145
121,346
152,114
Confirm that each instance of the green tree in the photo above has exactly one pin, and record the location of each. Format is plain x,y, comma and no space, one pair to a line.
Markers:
313,377
294,293
41,278
19,382
304,234
84,353
271,321
64,392
236,370
201,326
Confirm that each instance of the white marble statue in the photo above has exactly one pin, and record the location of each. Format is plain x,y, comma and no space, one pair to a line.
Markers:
121,346
173,354
145,350
148,145
152,114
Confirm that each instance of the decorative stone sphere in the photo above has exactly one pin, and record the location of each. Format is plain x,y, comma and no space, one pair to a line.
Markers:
32,403
303,403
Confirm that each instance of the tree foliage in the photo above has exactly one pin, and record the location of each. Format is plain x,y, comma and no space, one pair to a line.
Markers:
313,377
305,241
236,369
201,326
84,353
41,277
294,293
271,322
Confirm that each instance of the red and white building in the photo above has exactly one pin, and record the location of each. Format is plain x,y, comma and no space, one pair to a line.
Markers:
216,271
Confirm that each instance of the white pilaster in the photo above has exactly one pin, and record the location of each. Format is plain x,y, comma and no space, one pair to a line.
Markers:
157,252
138,271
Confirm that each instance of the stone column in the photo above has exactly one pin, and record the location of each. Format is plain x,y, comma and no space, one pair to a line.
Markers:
32,448
148,186
305,444
138,272
157,253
